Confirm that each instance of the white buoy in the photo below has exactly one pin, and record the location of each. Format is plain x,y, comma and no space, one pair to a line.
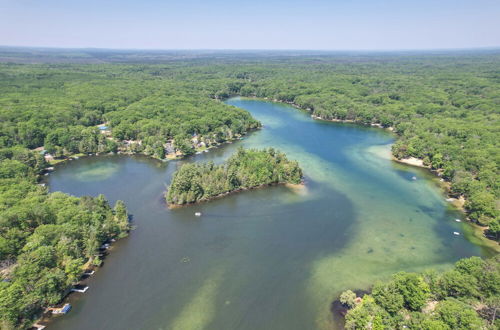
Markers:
456,233
198,214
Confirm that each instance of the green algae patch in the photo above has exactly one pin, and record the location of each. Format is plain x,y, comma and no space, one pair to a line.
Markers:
97,171
201,310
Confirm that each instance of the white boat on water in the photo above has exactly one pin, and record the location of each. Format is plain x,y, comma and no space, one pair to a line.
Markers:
198,214
456,233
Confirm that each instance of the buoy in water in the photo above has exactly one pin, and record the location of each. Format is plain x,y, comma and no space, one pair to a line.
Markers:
198,214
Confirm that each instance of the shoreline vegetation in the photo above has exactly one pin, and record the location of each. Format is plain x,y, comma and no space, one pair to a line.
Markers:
460,201
465,297
442,108
172,151
244,170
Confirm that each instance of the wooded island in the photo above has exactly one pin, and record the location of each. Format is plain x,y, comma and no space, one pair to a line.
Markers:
246,169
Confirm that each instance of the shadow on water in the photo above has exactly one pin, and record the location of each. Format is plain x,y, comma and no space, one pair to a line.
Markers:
259,240
273,257
269,258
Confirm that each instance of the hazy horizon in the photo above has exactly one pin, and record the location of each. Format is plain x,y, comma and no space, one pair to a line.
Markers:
277,50
358,25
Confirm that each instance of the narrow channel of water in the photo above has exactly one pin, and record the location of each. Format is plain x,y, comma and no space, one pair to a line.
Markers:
271,258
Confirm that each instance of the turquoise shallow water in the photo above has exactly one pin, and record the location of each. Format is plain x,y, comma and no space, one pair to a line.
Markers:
270,258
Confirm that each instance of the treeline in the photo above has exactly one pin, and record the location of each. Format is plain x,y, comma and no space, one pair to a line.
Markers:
244,170
444,109
45,239
59,107
466,297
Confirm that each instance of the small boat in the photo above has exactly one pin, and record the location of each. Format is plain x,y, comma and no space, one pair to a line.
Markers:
450,199
456,233
414,178
63,310
458,220
105,246
198,152
198,214
89,272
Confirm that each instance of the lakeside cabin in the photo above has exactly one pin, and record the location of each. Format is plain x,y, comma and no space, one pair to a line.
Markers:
104,129
41,150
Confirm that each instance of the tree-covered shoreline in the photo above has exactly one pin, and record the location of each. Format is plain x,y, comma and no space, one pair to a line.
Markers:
47,240
465,297
443,108
246,169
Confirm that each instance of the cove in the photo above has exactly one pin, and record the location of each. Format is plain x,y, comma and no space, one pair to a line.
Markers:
272,258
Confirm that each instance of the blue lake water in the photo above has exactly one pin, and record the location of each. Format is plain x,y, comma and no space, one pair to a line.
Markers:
272,258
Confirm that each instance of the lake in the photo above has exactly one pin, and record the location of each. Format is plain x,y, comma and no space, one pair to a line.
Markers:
271,258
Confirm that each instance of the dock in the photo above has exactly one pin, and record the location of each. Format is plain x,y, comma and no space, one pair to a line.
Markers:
80,289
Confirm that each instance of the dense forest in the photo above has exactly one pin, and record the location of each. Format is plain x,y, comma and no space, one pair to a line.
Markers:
60,107
244,170
443,107
466,297
46,240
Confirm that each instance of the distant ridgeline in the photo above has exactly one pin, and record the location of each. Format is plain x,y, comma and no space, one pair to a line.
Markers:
245,169
466,297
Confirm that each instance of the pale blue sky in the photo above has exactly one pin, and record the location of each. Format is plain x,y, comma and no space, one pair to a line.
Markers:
268,24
